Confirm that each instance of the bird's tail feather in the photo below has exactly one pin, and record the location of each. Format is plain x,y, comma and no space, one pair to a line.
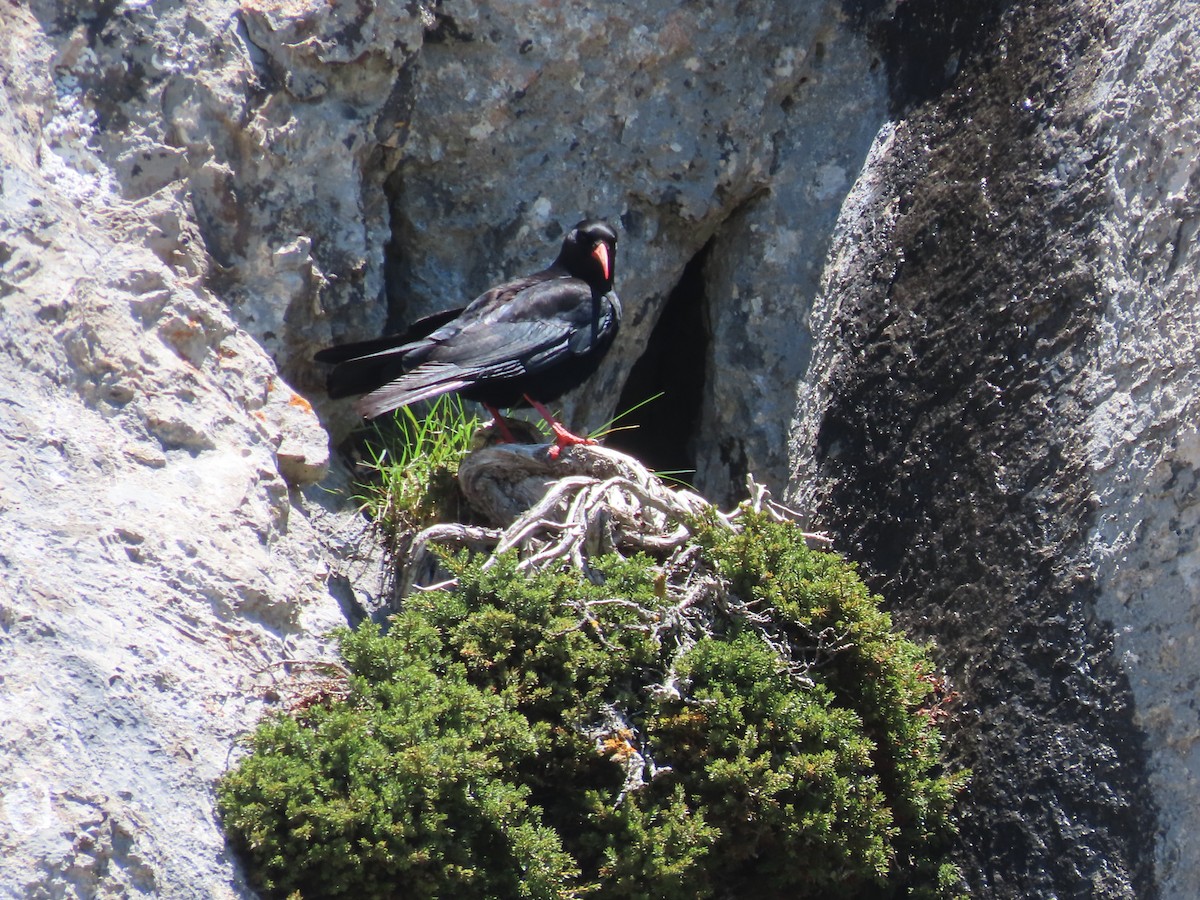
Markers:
412,388
357,376
415,332
345,352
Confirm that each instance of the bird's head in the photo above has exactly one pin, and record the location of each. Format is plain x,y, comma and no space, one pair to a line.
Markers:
589,251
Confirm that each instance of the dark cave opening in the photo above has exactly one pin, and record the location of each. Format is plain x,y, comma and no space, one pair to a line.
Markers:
674,364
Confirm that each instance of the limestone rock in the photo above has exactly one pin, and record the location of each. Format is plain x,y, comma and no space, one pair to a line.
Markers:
946,296
154,553
1002,429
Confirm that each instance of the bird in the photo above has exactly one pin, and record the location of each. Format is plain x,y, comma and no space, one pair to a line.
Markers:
522,343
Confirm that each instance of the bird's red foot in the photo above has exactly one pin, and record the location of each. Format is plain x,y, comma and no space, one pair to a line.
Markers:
562,437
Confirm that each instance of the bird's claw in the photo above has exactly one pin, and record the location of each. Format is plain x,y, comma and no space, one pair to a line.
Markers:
564,438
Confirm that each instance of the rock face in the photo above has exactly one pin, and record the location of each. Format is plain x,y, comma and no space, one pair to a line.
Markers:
928,267
158,558
1004,430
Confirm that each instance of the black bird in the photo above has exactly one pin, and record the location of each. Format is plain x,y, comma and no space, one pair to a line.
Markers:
523,343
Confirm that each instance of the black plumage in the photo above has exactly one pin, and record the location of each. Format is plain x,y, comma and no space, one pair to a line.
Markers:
524,342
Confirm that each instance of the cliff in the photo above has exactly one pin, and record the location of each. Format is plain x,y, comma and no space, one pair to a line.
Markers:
928,268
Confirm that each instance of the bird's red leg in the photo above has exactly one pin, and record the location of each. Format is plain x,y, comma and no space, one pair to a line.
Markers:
562,437
498,419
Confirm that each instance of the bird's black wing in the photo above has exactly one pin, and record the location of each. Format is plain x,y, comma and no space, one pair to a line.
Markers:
527,333
525,327
365,365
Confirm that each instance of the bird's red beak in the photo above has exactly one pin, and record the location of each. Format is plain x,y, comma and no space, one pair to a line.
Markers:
600,252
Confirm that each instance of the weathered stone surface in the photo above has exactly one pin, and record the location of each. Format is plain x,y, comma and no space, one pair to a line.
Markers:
1003,430
765,267
984,355
152,555
1142,393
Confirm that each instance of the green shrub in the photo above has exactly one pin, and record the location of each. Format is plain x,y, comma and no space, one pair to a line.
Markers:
556,735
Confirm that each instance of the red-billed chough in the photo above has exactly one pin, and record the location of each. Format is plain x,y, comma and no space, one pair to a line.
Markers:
523,343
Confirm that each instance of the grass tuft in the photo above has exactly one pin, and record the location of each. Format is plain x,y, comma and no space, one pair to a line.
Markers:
413,466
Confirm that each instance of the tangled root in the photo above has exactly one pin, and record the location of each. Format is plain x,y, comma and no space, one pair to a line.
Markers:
587,502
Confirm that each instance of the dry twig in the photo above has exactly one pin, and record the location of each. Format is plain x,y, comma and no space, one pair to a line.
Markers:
303,682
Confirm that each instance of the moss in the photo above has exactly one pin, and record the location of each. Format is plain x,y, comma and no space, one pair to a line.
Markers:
554,735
